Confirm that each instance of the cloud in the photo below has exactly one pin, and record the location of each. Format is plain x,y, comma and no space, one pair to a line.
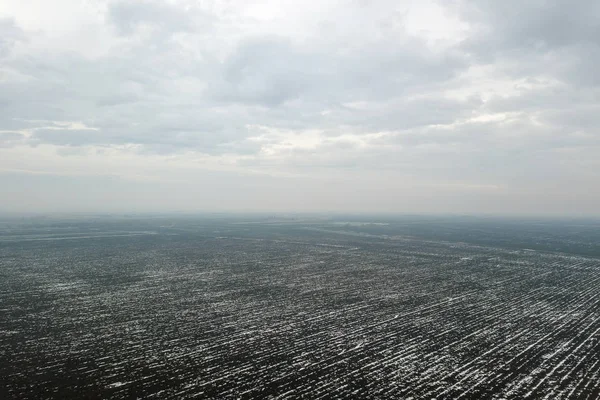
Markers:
10,34
437,96
128,16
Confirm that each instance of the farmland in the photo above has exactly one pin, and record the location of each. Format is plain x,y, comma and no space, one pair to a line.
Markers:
258,308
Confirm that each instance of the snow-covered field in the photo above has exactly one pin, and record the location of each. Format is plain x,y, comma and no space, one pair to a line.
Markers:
230,310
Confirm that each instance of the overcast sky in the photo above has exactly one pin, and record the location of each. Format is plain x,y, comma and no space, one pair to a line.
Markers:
286,105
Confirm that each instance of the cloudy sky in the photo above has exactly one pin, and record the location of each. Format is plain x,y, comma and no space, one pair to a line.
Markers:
424,106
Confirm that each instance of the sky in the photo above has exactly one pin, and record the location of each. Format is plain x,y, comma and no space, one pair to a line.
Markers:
424,106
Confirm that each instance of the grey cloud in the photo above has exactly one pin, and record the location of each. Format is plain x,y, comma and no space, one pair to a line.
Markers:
537,24
135,97
66,137
116,100
178,78
10,34
9,139
127,15
273,70
585,117
266,71
404,114
563,35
